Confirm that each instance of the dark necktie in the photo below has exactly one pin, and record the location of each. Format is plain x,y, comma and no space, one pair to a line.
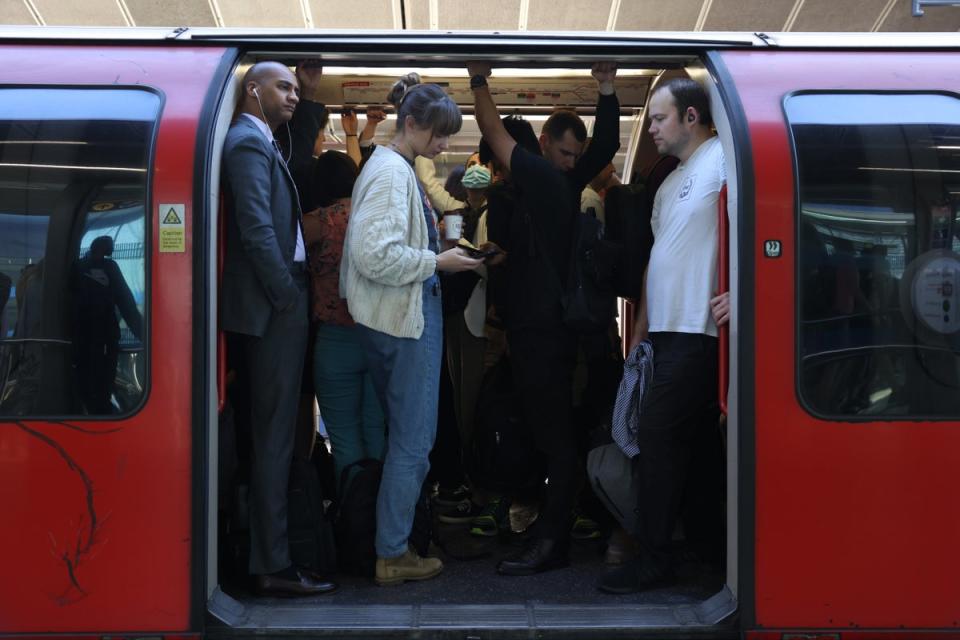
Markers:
286,170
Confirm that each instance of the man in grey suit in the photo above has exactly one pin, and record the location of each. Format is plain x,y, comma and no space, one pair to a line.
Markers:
264,306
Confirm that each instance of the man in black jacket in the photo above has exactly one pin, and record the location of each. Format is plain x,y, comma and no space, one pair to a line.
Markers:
543,350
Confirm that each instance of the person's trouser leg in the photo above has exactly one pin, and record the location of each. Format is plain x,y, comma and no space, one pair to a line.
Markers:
446,465
275,363
683,386
343,394
472,351
406,375
542,362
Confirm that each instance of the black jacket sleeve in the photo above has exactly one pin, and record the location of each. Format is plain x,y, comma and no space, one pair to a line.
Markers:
304,128
603,145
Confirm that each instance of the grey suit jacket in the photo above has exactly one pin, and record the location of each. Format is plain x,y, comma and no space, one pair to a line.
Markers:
262,214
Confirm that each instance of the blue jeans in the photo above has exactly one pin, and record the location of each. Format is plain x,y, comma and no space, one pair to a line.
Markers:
348,402
406,375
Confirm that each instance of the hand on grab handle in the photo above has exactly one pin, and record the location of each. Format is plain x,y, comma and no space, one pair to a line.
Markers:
720,308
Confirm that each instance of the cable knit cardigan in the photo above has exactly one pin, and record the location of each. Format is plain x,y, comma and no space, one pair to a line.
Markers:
386,256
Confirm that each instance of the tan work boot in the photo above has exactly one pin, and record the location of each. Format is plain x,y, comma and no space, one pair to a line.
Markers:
409,566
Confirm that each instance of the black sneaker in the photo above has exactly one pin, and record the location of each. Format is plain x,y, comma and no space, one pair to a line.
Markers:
462,513
492,519
447,497
634,577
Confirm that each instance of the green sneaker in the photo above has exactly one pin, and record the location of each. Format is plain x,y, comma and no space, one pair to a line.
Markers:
493,518
584,528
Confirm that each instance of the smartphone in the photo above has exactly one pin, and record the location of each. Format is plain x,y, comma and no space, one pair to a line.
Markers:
479,253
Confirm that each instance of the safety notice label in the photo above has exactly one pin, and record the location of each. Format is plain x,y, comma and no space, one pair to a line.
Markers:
172,234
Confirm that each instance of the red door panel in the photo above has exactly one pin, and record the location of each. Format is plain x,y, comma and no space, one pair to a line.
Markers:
96,528
856,522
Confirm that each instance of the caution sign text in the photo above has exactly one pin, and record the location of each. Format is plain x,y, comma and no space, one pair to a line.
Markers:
172,234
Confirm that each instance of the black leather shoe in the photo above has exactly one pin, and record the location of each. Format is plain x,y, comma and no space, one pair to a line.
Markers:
540,554
305,585
634,577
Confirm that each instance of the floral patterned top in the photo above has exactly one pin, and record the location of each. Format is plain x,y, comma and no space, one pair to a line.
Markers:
324,230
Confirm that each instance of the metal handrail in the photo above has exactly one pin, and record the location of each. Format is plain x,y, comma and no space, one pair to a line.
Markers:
919,4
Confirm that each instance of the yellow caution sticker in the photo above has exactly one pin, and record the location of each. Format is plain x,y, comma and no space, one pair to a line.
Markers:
172,233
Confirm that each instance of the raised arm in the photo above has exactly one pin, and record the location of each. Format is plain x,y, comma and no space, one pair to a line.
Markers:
606,128
304,127
348,120
485,111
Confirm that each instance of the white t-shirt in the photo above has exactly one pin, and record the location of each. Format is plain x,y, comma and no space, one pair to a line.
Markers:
682,273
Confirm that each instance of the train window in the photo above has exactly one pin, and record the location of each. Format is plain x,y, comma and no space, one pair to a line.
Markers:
877,253
73,196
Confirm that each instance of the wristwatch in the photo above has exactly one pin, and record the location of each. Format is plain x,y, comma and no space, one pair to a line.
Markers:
478,81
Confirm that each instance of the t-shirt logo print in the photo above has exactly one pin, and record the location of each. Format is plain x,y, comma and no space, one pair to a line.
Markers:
686,188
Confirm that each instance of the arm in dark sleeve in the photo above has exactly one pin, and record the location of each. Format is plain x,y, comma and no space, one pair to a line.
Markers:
304,126
123,298
603,145
247,168
6,284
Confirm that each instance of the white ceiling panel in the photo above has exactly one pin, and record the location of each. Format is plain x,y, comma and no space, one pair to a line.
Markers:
90,13
369,14
747,15
559,15
261,13
171,13
417,14
486,15
658,15
830,15
15,12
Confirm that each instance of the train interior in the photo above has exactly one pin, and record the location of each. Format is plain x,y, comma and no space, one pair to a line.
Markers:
469,593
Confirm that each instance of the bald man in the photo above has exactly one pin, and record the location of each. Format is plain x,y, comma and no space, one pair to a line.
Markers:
264,307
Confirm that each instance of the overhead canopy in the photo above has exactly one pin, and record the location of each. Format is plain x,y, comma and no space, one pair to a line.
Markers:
524,15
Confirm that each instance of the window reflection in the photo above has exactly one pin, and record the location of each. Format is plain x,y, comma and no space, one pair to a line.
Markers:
877,253
73,186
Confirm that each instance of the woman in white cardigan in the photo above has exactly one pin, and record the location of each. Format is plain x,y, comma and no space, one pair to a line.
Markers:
388,275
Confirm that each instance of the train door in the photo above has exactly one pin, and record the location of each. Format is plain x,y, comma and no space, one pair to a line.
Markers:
849,347
97,227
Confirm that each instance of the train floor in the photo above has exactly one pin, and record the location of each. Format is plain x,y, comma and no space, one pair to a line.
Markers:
470,578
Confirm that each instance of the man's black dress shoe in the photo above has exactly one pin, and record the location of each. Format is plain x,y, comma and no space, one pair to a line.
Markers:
540,554
635,576
306,584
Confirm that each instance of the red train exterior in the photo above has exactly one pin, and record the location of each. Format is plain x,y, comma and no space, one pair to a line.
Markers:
845,529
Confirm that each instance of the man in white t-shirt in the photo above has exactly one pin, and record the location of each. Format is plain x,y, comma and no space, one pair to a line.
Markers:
678,438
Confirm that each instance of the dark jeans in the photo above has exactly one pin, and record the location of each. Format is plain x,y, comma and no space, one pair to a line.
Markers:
543,360
680,461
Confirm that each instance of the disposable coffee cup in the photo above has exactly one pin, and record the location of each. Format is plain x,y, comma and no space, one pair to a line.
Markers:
454,226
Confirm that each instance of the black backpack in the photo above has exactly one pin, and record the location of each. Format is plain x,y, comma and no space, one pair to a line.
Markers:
356,520
589,301
504,455
628,228
309,529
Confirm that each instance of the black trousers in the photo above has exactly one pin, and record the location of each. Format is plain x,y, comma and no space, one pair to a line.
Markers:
542,361
680,463
446,457
269,385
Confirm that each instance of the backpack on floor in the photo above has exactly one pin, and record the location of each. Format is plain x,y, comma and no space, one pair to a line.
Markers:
309,528
355,524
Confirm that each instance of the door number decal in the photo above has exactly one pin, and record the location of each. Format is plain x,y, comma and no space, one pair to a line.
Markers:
771,248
